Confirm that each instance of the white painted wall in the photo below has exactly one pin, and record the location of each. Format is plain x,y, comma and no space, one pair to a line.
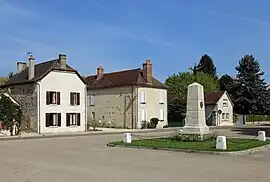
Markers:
228,109
152,106
63,82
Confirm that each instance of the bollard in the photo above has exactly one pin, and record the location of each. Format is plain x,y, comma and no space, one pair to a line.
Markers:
261,136
221,143
127,138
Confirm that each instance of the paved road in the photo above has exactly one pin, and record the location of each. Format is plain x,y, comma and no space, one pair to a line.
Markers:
88,159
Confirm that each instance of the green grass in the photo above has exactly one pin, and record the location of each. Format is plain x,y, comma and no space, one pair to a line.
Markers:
233,144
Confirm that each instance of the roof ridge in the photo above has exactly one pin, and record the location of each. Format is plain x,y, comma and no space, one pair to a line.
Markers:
121,71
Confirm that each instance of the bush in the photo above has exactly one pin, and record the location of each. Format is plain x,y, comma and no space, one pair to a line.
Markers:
193,137
93,123
153,123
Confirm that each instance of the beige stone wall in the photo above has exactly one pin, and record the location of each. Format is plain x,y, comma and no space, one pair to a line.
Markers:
26,95
114,105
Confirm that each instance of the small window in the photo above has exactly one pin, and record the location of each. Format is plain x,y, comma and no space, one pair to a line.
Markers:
73,119
227,116
53,119
161,97
93,115
223,116
143,97
74,98
52,97
92,100
161,114
225,102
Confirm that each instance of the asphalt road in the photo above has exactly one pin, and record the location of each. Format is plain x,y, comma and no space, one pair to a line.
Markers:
88,159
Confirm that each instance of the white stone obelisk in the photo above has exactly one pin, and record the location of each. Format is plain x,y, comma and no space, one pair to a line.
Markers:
195,115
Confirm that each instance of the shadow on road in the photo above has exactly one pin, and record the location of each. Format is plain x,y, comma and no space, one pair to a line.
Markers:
253,131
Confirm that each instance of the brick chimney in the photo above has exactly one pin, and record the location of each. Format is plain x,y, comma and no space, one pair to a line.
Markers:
21,66
62,61
31,67
100,72
147,72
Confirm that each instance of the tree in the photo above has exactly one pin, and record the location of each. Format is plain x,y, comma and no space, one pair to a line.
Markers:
178,83
251,95
225,82
207,65
10,114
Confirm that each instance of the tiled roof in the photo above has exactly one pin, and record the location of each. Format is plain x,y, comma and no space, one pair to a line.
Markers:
41,70
210,98
121,78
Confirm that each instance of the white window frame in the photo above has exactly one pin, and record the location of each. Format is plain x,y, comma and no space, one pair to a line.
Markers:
92,100
223,116
143,97
225,103
73,119
227,116
161,114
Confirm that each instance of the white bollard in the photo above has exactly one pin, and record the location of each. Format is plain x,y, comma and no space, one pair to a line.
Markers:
221,143
127,138
261,136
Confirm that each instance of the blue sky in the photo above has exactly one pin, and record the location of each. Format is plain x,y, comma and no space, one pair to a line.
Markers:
121,34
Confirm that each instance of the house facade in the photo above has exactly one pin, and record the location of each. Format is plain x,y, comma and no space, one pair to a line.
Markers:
218,108
127,98
52,95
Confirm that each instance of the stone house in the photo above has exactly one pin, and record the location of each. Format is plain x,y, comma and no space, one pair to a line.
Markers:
218,108
51,94
127,98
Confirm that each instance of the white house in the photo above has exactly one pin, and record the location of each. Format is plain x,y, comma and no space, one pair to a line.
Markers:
218,108
127,98
51,94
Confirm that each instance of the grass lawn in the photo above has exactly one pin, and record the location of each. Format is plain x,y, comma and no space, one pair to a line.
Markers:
233,144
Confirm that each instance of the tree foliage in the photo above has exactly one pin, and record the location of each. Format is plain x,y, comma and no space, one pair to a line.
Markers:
10,113
207,66
250,90
226,82
178,83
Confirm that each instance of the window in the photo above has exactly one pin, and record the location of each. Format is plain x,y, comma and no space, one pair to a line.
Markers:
225,102
161,114
227,116
223,116
53,119
143,115
74,98
143,97
92,100
161,97
93,115
73,119
52,98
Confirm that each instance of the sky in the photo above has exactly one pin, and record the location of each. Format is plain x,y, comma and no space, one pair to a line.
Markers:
122,34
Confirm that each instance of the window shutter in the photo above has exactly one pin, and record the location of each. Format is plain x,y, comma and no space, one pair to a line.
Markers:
78,119
58,98
59,119
78,98
161,114
71,98
48,98
47,119
68,119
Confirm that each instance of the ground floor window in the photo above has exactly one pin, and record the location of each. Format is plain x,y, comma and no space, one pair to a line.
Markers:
73,119
53,119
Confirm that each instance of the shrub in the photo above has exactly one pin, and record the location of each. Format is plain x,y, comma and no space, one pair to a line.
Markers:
143,124
93,123
153,123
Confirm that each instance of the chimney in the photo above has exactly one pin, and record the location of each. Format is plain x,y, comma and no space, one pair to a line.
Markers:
62,61
147,72
21,66
100,72
31,67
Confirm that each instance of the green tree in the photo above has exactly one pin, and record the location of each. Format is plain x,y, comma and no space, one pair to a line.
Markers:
10,113
225,82
207,66
178,83
251,94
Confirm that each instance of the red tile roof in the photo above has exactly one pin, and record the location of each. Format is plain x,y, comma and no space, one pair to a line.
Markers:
121,78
